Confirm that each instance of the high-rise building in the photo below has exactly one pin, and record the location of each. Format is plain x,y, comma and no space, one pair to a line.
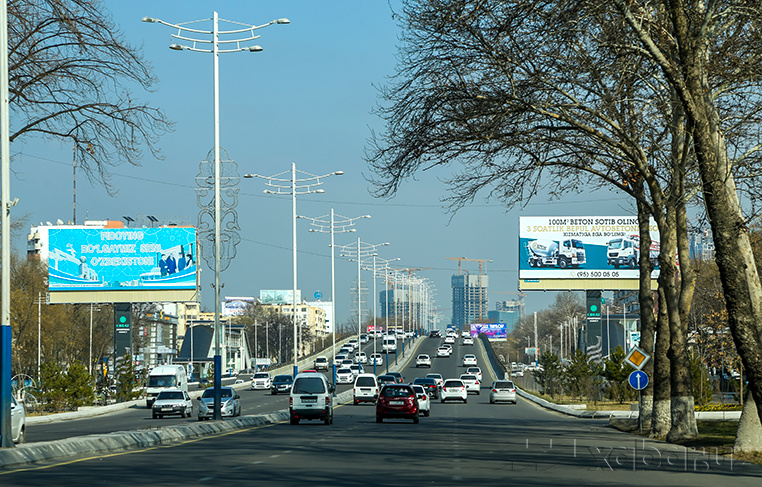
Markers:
469,298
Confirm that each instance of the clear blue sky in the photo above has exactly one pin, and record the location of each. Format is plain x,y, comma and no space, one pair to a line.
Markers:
307,98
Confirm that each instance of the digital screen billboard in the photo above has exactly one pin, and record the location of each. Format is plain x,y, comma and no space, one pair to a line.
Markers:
236,306
492,330
124,259
588,247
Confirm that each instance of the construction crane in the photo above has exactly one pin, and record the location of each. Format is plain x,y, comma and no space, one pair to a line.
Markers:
481,288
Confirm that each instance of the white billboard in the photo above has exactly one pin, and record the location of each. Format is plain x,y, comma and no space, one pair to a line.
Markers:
587,247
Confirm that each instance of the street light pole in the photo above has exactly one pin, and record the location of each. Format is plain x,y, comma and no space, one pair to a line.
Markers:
322,225
215,51
292,187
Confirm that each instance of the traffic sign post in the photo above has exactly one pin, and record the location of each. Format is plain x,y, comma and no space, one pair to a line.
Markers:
639,380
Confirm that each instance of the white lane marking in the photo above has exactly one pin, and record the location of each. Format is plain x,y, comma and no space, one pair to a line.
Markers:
257,462
274,456
205,479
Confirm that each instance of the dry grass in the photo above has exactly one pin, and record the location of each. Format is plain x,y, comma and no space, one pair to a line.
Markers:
591,406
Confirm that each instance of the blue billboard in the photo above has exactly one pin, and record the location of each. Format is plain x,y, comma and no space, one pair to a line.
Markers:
104,259
492,330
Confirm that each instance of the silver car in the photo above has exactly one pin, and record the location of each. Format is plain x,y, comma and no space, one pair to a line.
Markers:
18,421
230,403
502,391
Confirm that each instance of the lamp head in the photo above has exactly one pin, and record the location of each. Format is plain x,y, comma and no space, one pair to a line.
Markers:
248,176
176,47
149,19
255,49
320,191
339,173
283,21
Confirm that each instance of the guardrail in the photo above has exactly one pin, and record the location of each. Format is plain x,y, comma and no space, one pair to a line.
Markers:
495,363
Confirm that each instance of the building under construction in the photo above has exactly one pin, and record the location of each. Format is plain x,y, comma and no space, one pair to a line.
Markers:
469,295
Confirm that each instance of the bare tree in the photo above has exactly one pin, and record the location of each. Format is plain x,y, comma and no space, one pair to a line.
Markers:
73,76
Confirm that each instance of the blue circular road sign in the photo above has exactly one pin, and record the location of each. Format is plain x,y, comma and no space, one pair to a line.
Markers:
638,380
318,295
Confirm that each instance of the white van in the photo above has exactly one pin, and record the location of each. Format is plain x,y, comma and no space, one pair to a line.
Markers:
365,389
390,344
311,398
165,377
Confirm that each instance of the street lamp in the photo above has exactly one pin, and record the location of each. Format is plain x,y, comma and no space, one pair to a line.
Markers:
385,264
292,187
184,33
358,251
333,225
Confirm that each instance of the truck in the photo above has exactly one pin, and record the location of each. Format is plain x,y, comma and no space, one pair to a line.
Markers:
625,251
556,253
165,377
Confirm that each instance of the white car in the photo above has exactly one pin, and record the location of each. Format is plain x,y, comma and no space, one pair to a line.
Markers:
344,376
261,380
423,360
502,390
356,369
465,333
424,402
18,421
172,401
472,383
468,341
449,339
376,359
443,352
338,359
475,371
453,390
438,378
364,338
361,358
469,359
365,389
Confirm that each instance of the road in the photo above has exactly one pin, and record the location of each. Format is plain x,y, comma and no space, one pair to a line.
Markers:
460,444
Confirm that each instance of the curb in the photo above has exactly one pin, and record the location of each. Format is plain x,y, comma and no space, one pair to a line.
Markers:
35,452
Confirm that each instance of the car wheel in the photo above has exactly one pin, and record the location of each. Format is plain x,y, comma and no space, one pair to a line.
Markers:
294,420
478,392
379,419
465,401
327,420
427,413
491,401
182,414
415,419
22,436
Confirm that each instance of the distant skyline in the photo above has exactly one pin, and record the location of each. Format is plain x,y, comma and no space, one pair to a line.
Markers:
307,98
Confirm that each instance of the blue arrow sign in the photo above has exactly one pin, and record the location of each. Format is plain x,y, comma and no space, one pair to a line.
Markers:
318,295
638,380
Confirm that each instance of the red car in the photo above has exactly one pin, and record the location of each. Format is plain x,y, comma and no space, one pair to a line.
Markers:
397,401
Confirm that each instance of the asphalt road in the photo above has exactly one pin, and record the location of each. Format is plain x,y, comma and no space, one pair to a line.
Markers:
252,402
460,444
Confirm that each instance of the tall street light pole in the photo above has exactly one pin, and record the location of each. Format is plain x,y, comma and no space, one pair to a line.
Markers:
294,186
336,224
200,45
358,251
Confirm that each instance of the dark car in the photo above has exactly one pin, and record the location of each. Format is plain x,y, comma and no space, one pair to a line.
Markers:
398,377
435,334
386,379
429,385
397,401
281,383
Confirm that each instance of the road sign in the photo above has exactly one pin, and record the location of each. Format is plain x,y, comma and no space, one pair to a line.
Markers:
637,358
638,380
318,295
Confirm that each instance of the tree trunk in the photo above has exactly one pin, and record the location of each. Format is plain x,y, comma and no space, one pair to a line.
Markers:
661,418
749,435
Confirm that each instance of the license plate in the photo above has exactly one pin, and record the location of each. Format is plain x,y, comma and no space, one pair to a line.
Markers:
166,409
309,400
364,390
396,403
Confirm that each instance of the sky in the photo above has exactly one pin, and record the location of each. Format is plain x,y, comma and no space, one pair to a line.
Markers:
307,98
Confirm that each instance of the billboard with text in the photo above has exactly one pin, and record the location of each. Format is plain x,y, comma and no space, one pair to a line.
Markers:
124,259
587,247
492,330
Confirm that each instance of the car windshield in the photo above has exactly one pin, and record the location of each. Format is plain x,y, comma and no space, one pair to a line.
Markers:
386,378
344,371
467,377
434,376
321,359
261,375
161,381
418,389
365,382
453,383
397,392
282,378
170,395
424,381
503,385
473,370
224,392
308,385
